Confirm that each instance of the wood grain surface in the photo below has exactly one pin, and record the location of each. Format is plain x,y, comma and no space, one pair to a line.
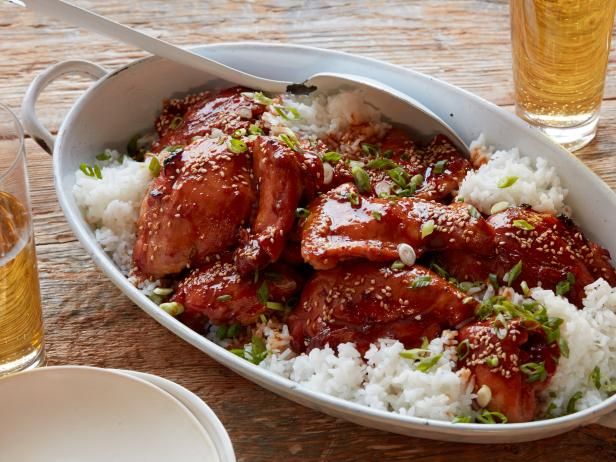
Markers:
88,321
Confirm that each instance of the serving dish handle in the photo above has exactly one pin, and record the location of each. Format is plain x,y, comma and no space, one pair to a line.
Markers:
32,124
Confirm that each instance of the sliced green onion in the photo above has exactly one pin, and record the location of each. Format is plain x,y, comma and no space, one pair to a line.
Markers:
376,215
459,199
103,156
224,298
473,212
564,347
172,308
97,172
287,113
154,166
523,224
233,330
255,130
507,181
463,349
389,153
439,270
370,149
263,293
382,163
239,133
362,180
237,146
420,281
301,212
426,364
525,288
397,265
439,167
415,353
417,180
290,141
595,377
501,326
276,306
222,331
259,97
332,157
487,417
427,228
513,273
353,198
492,361
399,176
462,419
573,401
493,280
176,122
535,371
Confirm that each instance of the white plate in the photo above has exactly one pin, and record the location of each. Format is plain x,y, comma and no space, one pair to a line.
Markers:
78,414
200,410
128,100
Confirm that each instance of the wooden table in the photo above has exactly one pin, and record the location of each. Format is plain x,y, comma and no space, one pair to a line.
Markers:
88,321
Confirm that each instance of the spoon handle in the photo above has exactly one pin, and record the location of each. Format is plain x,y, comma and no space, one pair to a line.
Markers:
93,22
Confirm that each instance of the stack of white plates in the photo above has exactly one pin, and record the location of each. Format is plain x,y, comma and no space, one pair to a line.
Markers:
76,414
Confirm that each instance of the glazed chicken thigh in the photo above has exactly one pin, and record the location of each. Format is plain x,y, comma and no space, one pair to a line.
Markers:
551,250
364,302
344,225
194,208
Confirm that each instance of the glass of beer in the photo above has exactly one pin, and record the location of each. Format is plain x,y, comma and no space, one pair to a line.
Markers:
560,53
21,326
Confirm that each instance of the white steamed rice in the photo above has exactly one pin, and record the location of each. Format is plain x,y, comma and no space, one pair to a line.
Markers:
385,380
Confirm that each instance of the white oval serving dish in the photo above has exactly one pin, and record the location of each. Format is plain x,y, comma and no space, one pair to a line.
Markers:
127,100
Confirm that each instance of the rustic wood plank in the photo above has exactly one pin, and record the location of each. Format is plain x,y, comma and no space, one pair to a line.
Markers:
89,321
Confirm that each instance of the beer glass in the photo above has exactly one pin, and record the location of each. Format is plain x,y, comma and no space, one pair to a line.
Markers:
560,53
21,327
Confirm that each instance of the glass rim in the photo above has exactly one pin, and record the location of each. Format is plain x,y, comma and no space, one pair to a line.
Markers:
21,148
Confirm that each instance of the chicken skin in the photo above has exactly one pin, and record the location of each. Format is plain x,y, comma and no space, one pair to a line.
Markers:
194,208
515,367
552,251
364,302
181,120
218,293
392,163
283,176
344,225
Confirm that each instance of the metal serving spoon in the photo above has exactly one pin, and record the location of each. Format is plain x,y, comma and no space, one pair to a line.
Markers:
396,106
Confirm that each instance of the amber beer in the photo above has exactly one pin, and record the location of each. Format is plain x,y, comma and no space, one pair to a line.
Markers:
21,326
560,54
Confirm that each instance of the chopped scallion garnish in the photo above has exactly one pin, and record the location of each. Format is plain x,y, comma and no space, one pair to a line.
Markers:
382,163
370,149
376,215
255,130
427,228
353,198
263,293
397,265
237,146
154,166
332,157
473,212
103,156
439,167
513,273
176,122
573,401
362,180
487,417
535,371
224,298
595,377
420,281
523,224
290,141
276,306
462,419
507,181
492,361
463,349
287,113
